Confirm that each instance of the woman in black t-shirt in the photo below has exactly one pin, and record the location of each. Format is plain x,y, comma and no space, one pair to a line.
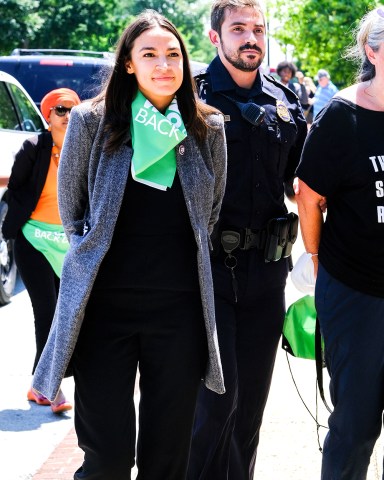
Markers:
343,161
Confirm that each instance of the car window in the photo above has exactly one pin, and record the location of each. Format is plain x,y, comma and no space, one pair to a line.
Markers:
29,119
8,116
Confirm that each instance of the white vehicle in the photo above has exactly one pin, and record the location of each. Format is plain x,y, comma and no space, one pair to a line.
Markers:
19,119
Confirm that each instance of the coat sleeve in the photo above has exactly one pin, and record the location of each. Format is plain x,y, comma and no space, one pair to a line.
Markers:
218,147
24,186
23,166
73,172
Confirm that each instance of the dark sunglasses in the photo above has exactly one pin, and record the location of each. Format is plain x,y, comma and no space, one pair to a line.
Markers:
61,111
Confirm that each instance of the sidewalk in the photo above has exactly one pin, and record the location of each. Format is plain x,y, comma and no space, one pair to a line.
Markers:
63,461
35,444
288,445
288,448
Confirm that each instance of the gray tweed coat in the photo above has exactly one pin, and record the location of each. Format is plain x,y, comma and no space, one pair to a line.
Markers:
91,189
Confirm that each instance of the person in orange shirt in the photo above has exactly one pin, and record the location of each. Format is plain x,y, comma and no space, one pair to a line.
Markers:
34,222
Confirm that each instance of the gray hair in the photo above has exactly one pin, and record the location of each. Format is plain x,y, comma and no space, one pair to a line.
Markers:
220,6
370,31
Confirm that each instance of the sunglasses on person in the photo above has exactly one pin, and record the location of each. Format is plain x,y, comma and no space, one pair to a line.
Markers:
61,111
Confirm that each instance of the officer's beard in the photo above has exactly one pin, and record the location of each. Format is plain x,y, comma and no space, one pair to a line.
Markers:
236,61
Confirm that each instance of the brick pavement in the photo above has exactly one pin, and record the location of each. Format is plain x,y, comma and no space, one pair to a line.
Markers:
65,459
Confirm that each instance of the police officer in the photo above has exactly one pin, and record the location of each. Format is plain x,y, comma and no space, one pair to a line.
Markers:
265,130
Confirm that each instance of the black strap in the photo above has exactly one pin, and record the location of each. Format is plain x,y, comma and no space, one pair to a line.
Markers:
320,364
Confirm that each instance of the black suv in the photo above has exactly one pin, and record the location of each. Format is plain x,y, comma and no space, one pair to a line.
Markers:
43,70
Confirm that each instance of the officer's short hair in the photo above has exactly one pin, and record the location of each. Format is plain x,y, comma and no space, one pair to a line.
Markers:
220,6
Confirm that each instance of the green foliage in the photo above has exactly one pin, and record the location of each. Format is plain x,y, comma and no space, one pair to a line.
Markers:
85,24
320,31
16,22
189,16
95,24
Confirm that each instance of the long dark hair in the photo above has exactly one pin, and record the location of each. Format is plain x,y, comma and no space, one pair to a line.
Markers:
121,88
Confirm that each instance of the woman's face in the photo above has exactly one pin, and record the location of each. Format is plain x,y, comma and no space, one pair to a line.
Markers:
285,75
59,123
157,62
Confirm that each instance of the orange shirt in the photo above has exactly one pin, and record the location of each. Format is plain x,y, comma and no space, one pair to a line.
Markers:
47,209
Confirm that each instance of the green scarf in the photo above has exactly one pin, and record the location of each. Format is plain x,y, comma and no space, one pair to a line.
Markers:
50,240
154,137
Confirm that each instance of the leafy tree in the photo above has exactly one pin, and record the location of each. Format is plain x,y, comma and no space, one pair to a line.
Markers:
95,24
189,16
320,31
17,22
85,24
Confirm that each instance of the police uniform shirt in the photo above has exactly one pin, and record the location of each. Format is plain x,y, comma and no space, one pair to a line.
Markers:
343,159
260,158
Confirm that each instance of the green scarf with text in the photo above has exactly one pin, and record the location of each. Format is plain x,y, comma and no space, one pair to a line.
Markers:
50,240
154,137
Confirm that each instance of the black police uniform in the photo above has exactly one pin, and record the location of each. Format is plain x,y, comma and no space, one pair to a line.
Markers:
250,303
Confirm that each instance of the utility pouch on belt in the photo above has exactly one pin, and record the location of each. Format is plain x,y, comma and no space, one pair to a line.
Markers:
230,240
293,227
281,235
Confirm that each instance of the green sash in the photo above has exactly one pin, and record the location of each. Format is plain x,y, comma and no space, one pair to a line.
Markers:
154,137
50,240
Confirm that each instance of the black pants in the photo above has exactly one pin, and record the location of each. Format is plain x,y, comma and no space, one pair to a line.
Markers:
163,333
42,285
227,427
352,326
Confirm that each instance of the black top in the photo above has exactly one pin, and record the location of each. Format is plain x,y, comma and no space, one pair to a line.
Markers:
153,244
343,159
260,159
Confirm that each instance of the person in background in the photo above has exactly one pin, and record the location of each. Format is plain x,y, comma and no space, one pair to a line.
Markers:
287,71
33,220
141,182
311,90
343,161
4,181
265,131
310,86
324,91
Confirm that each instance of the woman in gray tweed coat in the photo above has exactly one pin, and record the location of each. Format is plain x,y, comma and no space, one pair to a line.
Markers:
136,288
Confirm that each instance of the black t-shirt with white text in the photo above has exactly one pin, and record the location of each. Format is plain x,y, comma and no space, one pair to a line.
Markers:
343,159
